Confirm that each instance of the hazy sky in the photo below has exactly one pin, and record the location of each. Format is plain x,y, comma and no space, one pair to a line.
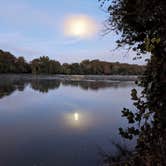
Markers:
32,28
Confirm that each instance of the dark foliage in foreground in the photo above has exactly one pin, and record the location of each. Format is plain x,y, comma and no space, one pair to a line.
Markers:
142,25
43,65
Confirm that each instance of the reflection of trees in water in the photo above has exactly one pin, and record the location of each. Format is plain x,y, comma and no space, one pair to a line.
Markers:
6,90
10,84
44,85
95,85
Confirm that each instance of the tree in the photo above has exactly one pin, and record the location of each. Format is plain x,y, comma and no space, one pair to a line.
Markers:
54,67
22,65
45,65
96,67
86,67
7,62
75,68
35,66
66,68
142,26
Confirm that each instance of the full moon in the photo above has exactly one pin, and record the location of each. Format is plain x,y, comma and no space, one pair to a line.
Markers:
80,26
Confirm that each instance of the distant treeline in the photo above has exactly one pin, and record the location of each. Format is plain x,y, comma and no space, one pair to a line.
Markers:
43,65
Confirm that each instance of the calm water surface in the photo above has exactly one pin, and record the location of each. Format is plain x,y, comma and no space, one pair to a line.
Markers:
46,122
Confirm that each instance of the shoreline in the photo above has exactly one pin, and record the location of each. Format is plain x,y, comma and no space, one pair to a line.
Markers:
105,78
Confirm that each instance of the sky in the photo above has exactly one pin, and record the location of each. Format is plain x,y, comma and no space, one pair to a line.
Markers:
34,28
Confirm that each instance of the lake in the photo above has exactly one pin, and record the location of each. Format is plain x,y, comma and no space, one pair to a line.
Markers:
50,122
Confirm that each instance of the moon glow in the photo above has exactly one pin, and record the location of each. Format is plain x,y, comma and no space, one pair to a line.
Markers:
80,26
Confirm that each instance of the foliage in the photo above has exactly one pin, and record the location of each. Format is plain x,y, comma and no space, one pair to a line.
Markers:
10,64
43,65
142,26
136,21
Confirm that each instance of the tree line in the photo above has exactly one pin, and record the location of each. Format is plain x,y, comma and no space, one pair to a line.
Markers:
43,65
